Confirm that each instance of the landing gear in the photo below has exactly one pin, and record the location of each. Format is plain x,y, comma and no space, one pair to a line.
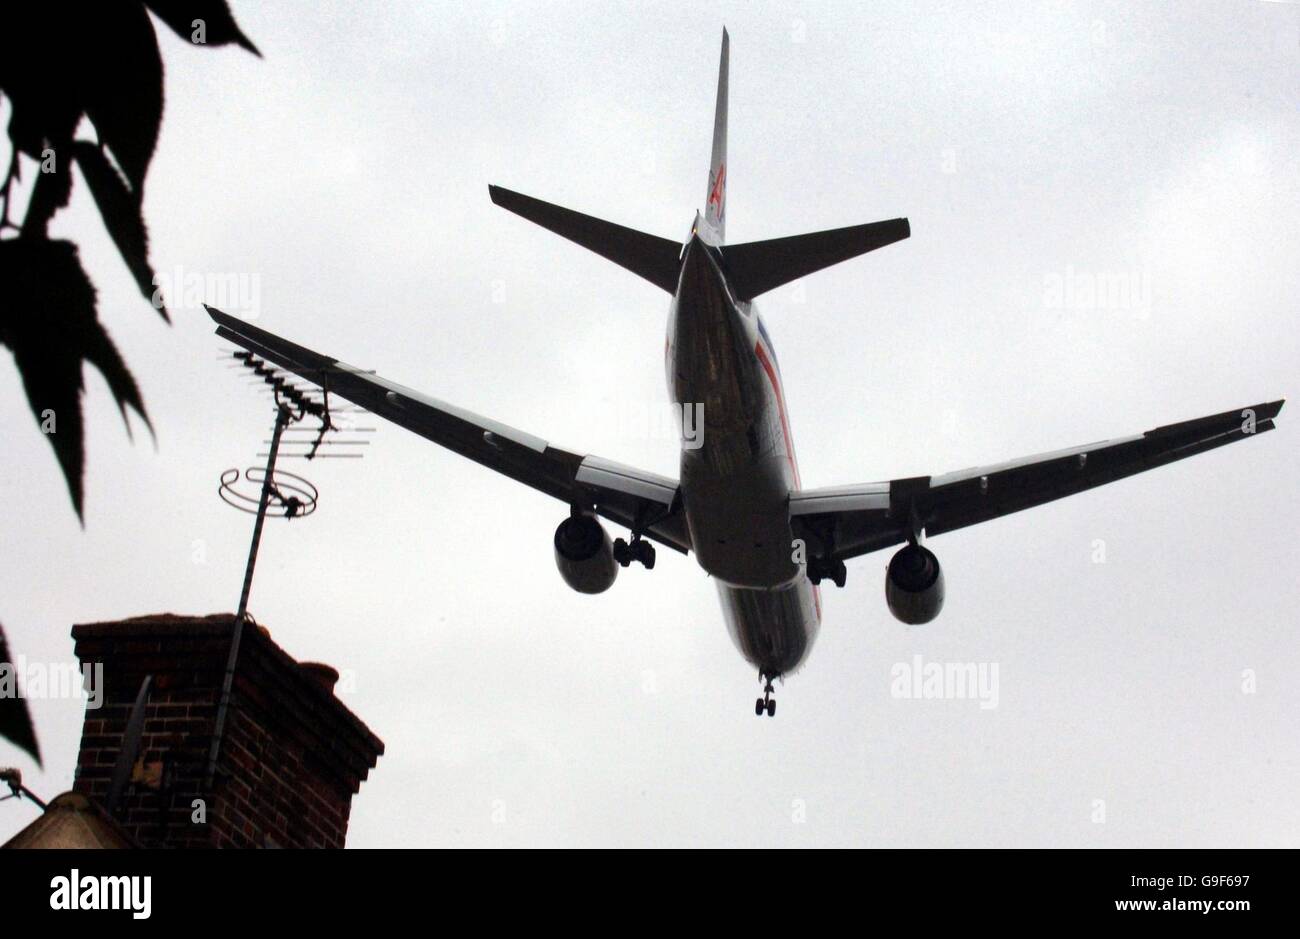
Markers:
767,702
820,569
639,550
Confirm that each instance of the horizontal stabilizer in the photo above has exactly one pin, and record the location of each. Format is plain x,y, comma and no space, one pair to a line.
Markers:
759,266
649,256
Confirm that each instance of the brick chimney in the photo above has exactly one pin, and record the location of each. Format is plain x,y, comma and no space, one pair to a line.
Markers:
291,755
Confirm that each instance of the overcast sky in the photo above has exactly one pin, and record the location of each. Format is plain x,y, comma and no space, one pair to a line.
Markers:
1035,147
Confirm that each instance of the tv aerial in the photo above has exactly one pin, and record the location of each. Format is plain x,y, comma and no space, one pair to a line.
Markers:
277,493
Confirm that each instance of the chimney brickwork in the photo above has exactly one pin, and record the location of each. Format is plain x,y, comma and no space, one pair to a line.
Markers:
291,757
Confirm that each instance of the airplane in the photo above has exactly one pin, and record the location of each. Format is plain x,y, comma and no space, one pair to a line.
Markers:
739,505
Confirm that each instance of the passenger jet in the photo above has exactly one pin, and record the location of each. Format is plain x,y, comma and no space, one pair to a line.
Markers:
739,505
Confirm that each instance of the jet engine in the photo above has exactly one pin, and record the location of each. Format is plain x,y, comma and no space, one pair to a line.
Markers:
914,585
584,554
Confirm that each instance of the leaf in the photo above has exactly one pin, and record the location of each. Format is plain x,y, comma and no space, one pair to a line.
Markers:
15,722
38,57
122,214
49,194
218,22
60,60
123,84
50,323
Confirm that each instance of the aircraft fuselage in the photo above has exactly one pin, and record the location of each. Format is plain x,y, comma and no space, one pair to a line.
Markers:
738,468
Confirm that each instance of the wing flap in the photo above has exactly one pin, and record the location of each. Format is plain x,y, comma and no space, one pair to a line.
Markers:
615,477
867,497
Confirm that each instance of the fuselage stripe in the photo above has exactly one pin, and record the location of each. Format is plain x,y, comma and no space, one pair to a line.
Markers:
766,362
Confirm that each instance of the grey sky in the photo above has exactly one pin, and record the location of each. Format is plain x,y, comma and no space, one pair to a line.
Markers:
1032,146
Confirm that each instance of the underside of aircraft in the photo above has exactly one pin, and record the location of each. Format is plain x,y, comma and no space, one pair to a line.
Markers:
739,505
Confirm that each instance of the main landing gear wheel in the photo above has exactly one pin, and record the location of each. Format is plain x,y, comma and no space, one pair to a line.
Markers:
638,550
820,569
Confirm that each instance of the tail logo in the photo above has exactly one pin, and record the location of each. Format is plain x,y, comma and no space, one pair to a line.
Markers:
718,194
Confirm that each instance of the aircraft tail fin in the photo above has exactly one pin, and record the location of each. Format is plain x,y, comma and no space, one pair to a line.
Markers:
715,205
649,256
759,266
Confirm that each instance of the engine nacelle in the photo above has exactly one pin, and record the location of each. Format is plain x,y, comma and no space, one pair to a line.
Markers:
585,555
914,585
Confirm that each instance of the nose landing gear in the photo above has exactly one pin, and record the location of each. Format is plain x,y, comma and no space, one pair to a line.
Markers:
767,702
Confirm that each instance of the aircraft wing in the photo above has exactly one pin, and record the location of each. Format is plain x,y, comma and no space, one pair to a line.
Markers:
848,521
619,493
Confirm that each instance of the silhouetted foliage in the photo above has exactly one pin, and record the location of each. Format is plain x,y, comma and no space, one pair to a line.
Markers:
60,62
15,723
